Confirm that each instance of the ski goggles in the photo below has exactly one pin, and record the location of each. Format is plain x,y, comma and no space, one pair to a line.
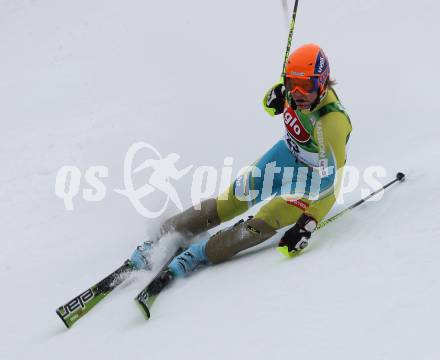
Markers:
304,85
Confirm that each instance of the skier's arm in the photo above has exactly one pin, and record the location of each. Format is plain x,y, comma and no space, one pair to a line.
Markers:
335,129
274,99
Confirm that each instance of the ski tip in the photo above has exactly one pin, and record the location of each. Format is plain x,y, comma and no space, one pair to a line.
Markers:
284,250
62,318
143,308
400,176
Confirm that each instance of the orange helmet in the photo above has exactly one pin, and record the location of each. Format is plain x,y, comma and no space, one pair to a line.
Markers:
308,62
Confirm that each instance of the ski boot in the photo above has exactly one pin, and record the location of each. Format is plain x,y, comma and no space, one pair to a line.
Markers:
189,259
141,257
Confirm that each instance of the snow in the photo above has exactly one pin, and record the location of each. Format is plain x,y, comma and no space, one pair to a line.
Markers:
82,81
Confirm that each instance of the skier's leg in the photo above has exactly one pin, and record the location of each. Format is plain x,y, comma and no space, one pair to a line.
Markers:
194,220
285,210
221,246
189,223
279,212
274,215
241,236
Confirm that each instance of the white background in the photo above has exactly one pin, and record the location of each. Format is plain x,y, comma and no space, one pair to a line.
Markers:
80,81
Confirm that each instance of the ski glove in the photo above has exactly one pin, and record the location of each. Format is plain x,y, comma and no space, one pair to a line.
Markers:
275,99
297,237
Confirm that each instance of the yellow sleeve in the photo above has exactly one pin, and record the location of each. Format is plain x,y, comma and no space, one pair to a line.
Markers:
333,130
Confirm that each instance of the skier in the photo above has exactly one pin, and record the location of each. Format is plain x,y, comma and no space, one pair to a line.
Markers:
311,153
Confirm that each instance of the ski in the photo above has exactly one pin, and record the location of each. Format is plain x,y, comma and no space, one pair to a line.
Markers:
147,296
76,308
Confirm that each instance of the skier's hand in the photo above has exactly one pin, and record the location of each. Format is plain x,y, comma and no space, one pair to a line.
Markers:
275,99
297,237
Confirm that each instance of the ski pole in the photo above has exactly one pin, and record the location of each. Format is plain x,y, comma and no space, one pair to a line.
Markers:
400,177
289,39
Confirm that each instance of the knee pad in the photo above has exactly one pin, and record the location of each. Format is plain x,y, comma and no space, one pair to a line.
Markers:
192,222
241,236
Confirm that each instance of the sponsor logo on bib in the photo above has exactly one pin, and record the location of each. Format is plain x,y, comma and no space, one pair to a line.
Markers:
294,126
